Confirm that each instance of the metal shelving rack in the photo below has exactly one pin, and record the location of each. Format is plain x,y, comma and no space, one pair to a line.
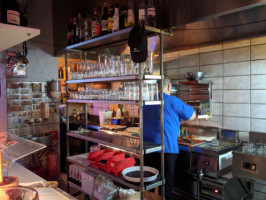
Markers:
114,39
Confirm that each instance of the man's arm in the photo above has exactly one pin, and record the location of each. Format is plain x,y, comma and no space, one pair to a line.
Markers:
194,116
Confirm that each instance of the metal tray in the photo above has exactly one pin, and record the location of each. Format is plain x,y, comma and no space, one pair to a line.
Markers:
152,170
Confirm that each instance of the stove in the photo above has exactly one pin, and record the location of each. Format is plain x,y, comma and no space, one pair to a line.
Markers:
213,158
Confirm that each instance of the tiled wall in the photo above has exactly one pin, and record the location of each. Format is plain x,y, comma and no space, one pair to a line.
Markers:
238,70
42,67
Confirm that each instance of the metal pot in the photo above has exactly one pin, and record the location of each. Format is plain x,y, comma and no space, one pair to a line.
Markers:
191,76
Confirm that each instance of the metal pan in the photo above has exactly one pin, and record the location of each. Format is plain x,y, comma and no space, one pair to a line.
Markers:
132,174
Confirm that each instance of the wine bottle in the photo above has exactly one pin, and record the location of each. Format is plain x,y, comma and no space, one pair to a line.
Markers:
116,19
88,27
99,19
94,24
105,20
142,12
110,19
12,12
130,13
80,25
69,32
151,14
74,30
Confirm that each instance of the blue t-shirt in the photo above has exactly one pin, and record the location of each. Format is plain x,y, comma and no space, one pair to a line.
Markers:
174,110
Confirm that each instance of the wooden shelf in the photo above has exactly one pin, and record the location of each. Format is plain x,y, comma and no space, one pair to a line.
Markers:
12,35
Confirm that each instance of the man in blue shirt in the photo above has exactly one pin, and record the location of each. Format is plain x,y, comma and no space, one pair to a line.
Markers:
175,110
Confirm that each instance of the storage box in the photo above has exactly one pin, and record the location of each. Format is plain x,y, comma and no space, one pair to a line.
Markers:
87,180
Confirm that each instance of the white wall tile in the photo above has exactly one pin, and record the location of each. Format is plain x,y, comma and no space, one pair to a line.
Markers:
258,67
258,82
258,40
258,111
217,109
236,96
173,64
258,125
238,54
236,44
237,68
258,96
212,70
172,73
234,123
211,58
211,48
236,110
258,52
217,96
189,61
217,82
237,82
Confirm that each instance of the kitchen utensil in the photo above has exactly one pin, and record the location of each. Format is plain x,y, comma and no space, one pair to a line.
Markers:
191,76
132,174
190,141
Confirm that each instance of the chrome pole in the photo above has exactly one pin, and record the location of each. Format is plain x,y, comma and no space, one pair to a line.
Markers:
162,116
67,105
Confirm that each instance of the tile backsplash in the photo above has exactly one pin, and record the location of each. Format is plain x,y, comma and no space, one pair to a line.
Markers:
238,72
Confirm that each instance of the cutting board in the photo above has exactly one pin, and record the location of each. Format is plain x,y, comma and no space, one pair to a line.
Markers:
183,142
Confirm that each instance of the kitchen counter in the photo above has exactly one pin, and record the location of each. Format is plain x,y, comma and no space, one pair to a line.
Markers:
26,178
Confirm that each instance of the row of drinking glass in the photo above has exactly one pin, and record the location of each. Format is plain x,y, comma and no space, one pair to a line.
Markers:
109,66
130,91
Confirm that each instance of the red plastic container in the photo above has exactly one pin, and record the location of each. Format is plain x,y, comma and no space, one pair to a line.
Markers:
117,164
93,155
106,156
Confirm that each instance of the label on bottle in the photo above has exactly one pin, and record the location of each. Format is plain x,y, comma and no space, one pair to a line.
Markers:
151,11
104,25
115,23
141,14
94,28
110,23
98,29
13,17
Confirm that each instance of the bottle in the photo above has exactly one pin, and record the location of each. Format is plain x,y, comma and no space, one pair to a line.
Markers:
142,12
151,14
123,18
76,31
94,24
74,114
130,13
105,20
110,19
80,25
61,73
116,19
88,27
69,32
99,19
11,13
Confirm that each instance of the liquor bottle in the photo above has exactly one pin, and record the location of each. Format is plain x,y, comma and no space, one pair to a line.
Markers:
69,32
123,18
151,14
110,19
11,13
116,19
75,31
88,27
61,73
105,20
80,28
94,24
142,12
24,16
99,19
130,13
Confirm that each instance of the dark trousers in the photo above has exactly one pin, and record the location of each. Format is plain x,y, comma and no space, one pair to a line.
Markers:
154,160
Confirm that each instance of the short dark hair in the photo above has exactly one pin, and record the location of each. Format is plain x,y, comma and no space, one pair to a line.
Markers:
166,81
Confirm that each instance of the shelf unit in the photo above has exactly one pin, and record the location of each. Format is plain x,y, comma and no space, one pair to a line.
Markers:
105,138
12,35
